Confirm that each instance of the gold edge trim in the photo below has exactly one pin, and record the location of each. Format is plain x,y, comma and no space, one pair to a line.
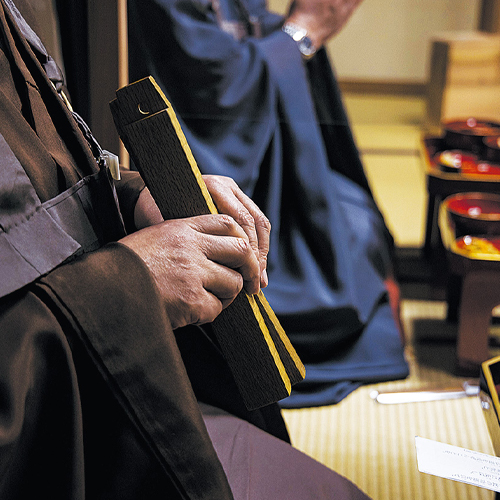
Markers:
283,336
187,149
270,343
491,384
474,255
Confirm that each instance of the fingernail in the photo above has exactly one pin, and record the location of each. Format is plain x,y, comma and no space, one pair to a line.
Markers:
264,280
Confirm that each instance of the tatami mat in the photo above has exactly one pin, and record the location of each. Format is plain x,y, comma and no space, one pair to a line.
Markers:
400,139
372,444
381,109
388,132
398,185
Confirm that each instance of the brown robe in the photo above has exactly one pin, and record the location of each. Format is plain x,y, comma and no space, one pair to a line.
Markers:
95,400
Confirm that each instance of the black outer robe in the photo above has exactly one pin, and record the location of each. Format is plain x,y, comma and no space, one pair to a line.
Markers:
86,409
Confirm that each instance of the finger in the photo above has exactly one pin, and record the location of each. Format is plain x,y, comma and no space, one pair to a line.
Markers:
262,228
217,225
235,253
226,195
220,287
226,243
240,207
192,307
208,308
224,283
246,213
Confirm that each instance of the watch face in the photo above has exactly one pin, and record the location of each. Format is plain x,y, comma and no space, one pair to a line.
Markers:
306,47
298,34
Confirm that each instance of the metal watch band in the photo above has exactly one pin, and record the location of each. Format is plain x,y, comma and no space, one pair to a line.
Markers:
299,35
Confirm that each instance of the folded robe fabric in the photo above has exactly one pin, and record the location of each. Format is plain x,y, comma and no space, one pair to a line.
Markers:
261,466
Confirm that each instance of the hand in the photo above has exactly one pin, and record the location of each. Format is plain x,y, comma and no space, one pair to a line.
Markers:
200,264
231,200
321,18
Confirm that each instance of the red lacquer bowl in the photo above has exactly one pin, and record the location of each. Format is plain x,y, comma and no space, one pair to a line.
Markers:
468,134
455,160
463,162
474,213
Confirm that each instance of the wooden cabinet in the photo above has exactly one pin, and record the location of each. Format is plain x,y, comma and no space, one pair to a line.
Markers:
464,77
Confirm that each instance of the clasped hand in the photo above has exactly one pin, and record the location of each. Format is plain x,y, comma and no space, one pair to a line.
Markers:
201,263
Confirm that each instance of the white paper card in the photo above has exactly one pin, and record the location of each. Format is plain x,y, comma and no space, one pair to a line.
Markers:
458,464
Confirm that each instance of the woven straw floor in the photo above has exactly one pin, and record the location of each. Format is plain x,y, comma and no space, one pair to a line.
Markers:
373,444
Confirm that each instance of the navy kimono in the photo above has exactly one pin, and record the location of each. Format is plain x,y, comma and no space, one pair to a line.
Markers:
252,110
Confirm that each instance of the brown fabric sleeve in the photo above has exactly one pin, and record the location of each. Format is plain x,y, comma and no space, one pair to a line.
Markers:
128,189
113,301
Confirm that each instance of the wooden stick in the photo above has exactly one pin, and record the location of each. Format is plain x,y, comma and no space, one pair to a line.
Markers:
259,354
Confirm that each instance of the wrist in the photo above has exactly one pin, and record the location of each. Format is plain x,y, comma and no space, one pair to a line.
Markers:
309,23
146,211
301,36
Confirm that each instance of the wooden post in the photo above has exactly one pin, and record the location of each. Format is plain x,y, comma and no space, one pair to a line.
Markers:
108,68
489,16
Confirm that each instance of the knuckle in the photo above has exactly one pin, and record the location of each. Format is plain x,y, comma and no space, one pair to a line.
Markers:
245,218
194,308
264,223
237,286
232,183
243,246
209,312
226,220
225,180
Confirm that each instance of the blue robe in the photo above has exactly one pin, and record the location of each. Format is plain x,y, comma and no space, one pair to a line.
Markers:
252,110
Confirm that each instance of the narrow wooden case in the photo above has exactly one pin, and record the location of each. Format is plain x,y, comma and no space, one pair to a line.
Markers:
260,355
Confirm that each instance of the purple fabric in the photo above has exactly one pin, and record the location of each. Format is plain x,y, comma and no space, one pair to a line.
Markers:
31,242
259,466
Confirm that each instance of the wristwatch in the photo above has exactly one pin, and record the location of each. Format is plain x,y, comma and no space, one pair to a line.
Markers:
306,47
